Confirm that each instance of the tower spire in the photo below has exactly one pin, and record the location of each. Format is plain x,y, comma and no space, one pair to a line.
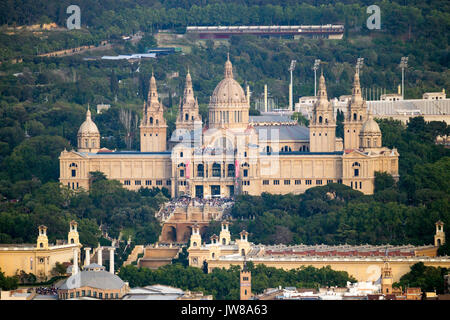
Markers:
228,67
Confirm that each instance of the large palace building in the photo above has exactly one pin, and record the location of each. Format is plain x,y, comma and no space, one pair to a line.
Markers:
234,152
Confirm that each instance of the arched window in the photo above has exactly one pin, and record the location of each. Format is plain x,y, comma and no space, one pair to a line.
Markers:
200,170
216,170
194,244
186,117
224,241
181,154
356,166
230,170
243,252
354,116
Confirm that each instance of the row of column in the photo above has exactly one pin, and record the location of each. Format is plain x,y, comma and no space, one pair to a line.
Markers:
87,260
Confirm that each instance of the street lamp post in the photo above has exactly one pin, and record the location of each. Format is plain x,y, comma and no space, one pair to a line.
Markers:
291,68
403,65
315,67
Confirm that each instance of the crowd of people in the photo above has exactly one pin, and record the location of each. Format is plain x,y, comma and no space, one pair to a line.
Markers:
169,207
52,291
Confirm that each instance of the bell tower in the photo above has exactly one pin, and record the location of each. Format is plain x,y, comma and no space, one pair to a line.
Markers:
322,129
42,240
196,238
386,279
245,283
439,237
356,116
73,236
224,235
153,126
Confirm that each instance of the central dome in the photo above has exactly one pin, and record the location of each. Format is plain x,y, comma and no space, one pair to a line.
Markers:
228,92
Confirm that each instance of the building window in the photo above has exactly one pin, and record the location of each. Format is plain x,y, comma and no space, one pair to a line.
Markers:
74,173
100,295
181,173
339,181
71,295
127,182
351,184
216,170
148,182
83,293
245,173
168,182
231,170
159,182
298,181
360,185
329,181
265,182
200,170
77,294
319,182
287,182
117,296
276,182
308,182
106,296
137,182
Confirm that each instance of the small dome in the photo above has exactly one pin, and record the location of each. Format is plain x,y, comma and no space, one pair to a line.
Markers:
370,126
88,126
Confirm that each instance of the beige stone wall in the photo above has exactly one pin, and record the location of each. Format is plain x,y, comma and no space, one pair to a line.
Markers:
135,170
360,270
36,261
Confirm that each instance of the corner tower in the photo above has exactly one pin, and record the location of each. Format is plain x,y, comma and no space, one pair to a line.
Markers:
153,126
188,116
356,116
322,129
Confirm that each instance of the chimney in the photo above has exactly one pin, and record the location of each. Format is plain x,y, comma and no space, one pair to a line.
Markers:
99,256
75,262
111,260
87,259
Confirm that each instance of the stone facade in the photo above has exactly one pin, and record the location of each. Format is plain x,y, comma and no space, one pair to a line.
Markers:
237,153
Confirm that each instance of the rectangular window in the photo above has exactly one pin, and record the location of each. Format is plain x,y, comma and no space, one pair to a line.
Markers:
360,185
287,182
318,182
74,173
308,182
106,296
127,182
117,296
148,182
78,294
245,173
159,182
137,182
168,182
71,295
339,181
276,182
329,181
351,184
298,181
95,294
265,182
89,293
100,295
